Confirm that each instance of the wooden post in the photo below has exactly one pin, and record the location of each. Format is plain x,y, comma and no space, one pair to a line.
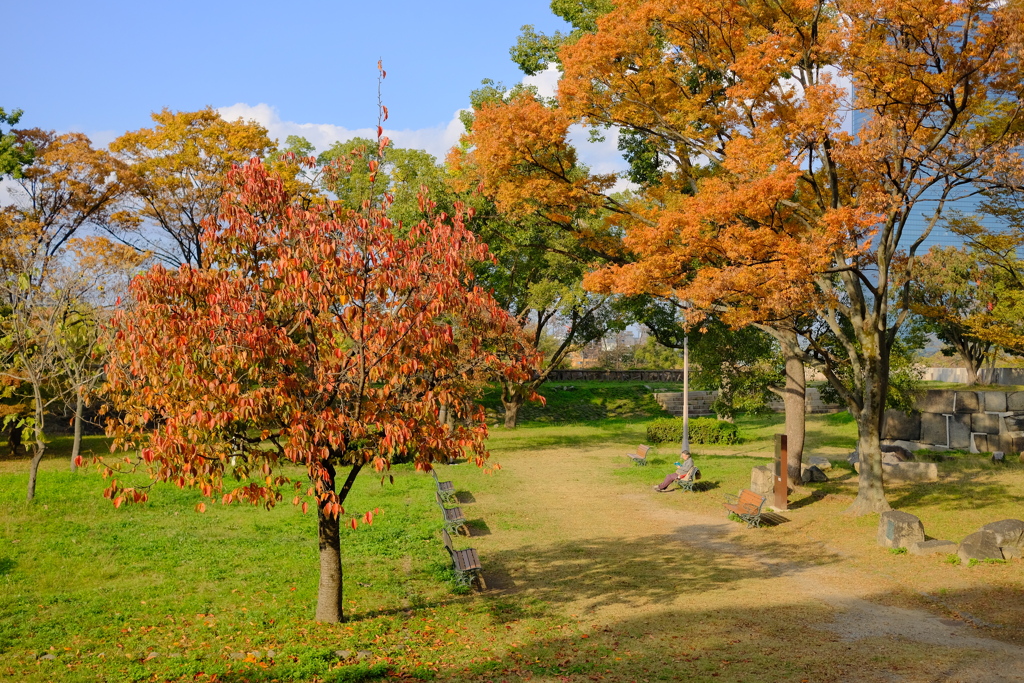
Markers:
781,473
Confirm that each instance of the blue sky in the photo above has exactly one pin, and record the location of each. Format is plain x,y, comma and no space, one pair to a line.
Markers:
308,66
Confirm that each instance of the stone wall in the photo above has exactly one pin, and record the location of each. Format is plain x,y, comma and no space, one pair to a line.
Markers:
617,375
700,403
979,421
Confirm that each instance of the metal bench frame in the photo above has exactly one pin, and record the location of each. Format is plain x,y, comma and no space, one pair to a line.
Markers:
465,562
453,517
743,506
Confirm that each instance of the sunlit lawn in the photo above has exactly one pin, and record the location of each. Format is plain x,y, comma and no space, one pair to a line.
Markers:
161,592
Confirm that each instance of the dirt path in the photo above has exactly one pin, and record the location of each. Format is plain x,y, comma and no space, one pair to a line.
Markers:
615,554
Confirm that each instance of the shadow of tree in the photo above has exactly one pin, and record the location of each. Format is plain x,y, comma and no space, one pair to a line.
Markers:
616,571
6,565
969,490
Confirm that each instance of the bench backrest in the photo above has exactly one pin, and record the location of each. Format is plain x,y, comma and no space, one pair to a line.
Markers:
437,497
748,497
641,450
447,540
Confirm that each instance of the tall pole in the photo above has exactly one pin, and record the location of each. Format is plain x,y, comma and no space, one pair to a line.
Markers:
686,393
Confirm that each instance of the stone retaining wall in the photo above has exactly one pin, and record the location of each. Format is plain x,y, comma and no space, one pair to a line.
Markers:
979,421
700,403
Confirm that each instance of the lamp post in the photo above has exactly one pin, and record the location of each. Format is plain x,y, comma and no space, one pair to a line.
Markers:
686,394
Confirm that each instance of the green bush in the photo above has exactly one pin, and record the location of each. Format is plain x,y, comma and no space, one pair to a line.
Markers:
703,430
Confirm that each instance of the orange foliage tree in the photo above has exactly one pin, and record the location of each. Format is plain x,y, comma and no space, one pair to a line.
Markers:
175,172
319,336
765,205
68,188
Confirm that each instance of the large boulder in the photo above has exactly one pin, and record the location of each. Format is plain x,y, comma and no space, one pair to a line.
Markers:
762,480
812,473
901,425
900,452
898,529
932,547
981,545
1007,532
891,459
905,472
819,461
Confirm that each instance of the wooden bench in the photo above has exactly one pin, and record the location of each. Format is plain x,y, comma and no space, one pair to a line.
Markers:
747,505
446,489
688,484
453,517
640,457
466,563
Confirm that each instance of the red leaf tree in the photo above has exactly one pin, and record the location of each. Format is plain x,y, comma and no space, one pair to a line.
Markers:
319,336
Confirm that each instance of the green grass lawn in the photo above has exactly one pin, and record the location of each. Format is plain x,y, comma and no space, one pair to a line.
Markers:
161,592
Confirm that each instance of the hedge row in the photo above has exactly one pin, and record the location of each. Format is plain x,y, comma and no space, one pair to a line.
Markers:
703,430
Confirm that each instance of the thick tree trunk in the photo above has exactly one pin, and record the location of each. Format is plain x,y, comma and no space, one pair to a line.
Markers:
76,447
40,444
794,400
511,412
329,594
870,489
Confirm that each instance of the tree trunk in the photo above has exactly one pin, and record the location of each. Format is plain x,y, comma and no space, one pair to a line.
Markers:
40,444
329,594
870,489
794,400
76,447
511,411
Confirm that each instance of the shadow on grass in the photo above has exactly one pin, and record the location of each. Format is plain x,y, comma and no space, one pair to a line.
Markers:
588,435
947,494
478,527
623,572
6,565
693,642
465,497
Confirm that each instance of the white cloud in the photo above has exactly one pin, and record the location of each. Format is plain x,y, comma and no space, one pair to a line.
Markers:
546,81
436,140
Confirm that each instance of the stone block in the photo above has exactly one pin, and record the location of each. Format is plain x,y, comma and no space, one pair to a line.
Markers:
898,529
932,547
995,401
901,425
899,451
762,480
985,422
960,431
819,461
1010,552
933,428
812,473
936,401
1015,401
1014,423
891,459
906,472
967,402
981,545
981,443
1007,531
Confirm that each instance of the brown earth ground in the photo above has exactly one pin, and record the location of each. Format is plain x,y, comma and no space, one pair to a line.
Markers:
664,582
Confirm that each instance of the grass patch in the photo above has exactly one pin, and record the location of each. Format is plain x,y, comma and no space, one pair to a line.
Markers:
586,401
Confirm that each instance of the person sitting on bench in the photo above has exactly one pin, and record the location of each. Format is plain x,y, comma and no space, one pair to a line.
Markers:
684,470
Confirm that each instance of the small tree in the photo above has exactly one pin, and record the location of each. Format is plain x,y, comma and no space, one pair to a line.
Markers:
318,337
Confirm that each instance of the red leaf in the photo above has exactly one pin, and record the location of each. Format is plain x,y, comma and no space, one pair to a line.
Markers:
353,523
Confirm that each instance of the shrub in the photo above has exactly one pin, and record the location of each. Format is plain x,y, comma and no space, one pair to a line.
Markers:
703,430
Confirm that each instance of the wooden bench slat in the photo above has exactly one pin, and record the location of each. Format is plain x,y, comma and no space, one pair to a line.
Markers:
748,506
640,457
